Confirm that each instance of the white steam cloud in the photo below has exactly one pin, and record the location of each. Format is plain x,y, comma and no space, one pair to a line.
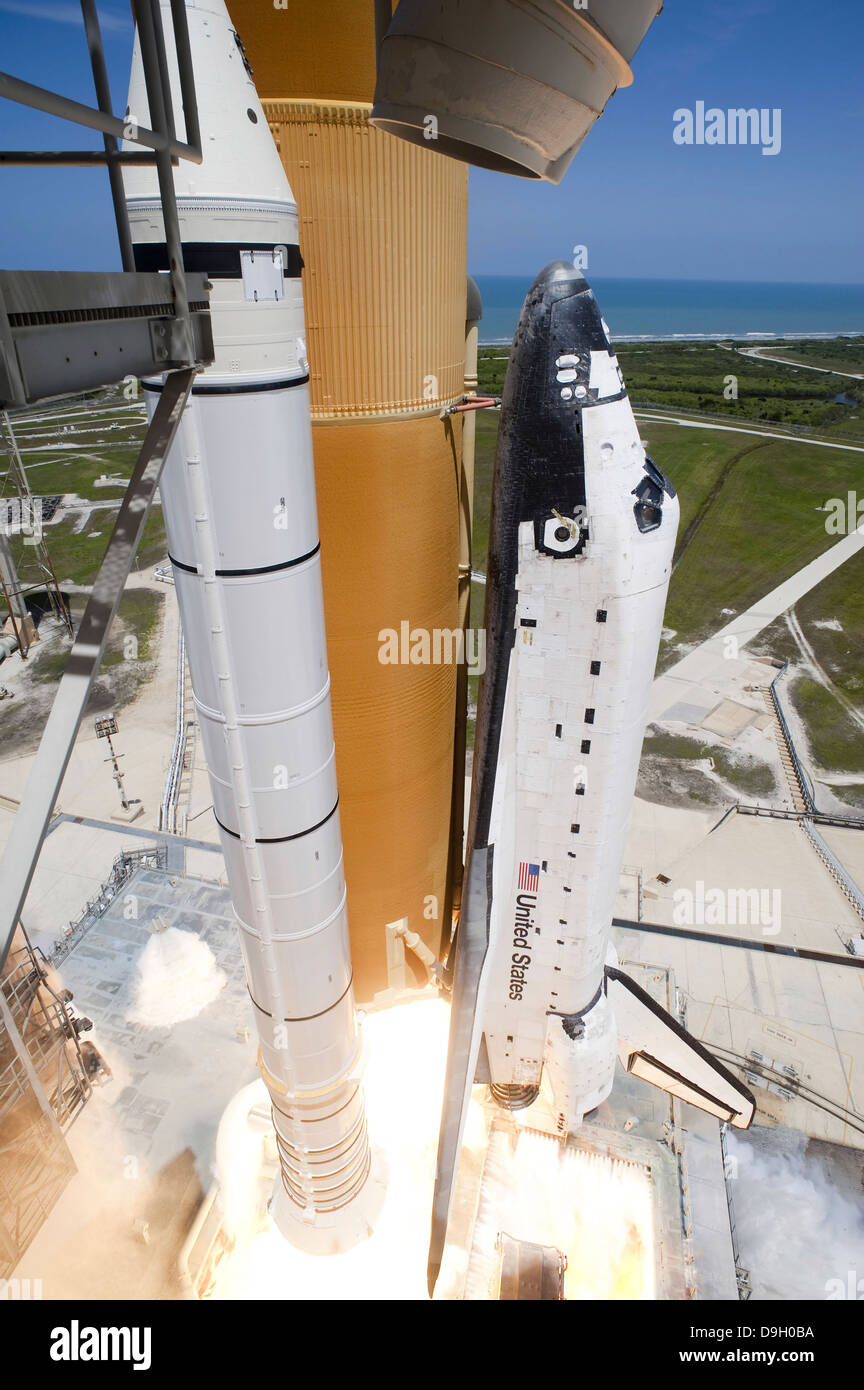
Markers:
800,1226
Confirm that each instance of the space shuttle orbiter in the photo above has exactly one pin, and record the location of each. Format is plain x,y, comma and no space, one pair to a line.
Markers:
582,536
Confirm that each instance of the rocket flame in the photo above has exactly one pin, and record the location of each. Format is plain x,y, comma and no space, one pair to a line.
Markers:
595,1209
404,1083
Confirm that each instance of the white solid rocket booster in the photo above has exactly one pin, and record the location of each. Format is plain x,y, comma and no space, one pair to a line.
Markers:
238,496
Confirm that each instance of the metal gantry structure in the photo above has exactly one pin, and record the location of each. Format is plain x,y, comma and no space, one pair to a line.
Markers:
106,726
22,512
62,333
179,758
43,1084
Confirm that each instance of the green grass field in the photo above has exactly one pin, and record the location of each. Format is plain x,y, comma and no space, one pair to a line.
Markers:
692,377
696,461
50,473
760,527
749,520
839,598
138,617
679,376
749,514
65,450
835,741
90,449
126,666
484,463
836,354
748,776
77,557
839,649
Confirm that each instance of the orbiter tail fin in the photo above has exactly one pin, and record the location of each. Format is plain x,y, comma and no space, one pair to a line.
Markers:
654,1046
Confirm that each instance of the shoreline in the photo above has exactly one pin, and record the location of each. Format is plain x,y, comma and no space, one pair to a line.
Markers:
754,339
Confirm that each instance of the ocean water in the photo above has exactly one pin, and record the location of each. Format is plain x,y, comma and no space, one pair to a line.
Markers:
669,309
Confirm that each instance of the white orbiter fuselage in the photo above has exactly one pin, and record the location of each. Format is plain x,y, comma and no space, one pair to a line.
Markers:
582,536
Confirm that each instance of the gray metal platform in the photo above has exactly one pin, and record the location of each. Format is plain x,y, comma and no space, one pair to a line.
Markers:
69,331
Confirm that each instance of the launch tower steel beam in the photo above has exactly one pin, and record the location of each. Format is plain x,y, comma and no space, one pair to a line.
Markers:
26,94
22,850
76,157
158,87
116,128
79,330
10,585
455,877
103,96
163,140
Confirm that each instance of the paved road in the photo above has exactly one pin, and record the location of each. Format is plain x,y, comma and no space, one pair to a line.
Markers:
762,354
699,664
738,429
822,676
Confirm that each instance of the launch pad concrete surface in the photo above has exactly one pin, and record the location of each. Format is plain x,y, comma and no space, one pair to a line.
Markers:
145,1143
76,861
146,731
636,1199
800,1013
687,679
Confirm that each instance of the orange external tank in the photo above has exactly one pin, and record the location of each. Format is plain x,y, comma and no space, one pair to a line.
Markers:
383,239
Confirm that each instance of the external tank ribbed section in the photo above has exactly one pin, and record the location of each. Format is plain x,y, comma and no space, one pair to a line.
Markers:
394,564
311,48
382,230
383,236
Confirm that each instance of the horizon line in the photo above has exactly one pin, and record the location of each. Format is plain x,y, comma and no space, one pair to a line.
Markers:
681,279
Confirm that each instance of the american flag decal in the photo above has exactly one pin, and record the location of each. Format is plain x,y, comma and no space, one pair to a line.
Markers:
529,878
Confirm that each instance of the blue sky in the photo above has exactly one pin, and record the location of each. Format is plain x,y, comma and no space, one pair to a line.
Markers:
643,205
